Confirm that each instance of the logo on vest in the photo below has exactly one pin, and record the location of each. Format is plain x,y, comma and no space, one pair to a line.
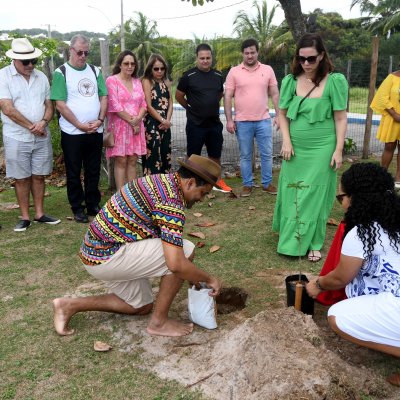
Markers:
86,87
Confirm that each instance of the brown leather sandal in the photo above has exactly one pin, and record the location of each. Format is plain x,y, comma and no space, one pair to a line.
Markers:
394,379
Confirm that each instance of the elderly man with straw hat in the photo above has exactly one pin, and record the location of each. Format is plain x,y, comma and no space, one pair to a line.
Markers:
26,110
136,236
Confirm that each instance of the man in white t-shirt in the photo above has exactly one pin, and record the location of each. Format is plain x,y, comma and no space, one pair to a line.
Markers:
81,99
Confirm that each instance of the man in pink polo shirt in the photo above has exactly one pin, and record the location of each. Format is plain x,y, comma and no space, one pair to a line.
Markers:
251,83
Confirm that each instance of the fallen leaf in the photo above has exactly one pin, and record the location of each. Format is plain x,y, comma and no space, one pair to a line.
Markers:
256,185
252,208
211,196
46,194
101,346
332,221
196,214
214,248
2,190
200,244
205,224
210,204
350,160
70,218
61,184
199,235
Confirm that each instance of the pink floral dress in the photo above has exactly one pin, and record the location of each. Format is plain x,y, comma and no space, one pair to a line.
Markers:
127,143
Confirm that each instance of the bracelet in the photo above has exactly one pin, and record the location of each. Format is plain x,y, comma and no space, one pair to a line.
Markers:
101,119
45,120
318,285
162,120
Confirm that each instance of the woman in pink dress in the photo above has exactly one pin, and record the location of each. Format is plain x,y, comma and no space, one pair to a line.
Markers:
126,109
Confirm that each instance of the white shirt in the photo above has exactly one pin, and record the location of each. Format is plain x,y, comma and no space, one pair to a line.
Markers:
28,98
380,272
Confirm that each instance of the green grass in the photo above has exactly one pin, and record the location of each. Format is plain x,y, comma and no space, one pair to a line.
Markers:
42,263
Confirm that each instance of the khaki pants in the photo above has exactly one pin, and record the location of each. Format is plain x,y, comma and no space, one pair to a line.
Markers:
127,272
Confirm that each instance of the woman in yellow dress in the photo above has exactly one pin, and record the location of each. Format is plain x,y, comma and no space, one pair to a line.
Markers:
387,102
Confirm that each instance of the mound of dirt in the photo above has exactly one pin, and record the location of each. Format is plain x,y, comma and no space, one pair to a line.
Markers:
275,355
279,354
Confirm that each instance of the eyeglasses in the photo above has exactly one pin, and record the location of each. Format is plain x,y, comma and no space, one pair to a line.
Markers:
127,64
80,53
340,197
310,60
159,69
33,61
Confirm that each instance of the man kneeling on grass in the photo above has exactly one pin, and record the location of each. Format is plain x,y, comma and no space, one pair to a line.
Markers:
137,235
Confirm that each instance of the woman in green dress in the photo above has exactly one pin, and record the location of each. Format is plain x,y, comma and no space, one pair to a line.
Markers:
158,94
313,122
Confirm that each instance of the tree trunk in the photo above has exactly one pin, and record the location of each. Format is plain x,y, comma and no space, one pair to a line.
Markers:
294,18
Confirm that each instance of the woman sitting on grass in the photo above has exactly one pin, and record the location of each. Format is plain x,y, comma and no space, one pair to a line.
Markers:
369,266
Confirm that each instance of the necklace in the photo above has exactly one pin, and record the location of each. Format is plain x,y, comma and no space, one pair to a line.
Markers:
309,80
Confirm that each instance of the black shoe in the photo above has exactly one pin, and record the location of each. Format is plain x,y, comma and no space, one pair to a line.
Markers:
81,217
46,219
92,212
22,225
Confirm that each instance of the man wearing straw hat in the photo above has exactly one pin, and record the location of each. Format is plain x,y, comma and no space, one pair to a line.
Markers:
137,235
26,110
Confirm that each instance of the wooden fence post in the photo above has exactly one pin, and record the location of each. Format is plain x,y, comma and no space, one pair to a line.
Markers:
372,84
105,69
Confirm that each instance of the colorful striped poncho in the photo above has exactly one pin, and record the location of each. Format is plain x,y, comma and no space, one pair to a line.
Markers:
148,207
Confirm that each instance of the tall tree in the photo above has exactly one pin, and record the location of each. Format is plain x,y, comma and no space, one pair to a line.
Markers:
261,28
293,15
383,15
141,37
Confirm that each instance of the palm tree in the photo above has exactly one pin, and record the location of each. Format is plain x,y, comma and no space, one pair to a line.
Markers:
141,37
383,17
261,28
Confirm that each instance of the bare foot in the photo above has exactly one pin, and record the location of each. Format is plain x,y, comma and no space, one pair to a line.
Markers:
169,328
62,315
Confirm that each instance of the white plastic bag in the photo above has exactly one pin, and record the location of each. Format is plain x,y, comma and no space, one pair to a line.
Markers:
202,309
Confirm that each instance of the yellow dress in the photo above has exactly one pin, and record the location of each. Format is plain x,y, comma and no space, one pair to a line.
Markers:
387,97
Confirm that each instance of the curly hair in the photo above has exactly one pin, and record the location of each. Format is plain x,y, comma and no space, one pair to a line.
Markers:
117,66
325,66
372,200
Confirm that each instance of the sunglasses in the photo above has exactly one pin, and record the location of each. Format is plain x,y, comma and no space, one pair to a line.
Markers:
33,61
80,53
310,60
340,197
127,64
158,69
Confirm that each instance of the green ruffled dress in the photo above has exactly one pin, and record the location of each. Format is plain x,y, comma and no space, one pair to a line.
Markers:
313,136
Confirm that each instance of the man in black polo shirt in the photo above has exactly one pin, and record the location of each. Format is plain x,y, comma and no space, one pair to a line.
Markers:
199,91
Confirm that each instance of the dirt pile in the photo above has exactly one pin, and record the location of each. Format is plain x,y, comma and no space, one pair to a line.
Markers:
275,355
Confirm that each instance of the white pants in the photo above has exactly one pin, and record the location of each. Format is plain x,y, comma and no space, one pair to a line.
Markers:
371,318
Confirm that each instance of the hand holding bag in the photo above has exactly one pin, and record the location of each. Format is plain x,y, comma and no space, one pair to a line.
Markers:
202,308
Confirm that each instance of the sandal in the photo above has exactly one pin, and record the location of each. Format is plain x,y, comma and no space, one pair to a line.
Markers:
314,256
394,379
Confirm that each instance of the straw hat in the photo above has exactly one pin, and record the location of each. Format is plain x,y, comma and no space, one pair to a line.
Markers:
205,168
21,49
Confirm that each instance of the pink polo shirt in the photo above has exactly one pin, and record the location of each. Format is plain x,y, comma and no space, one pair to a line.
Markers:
250,90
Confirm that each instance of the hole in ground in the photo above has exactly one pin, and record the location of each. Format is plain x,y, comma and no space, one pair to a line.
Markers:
231,300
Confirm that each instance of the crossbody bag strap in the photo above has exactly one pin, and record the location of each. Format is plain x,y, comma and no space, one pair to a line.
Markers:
308,94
